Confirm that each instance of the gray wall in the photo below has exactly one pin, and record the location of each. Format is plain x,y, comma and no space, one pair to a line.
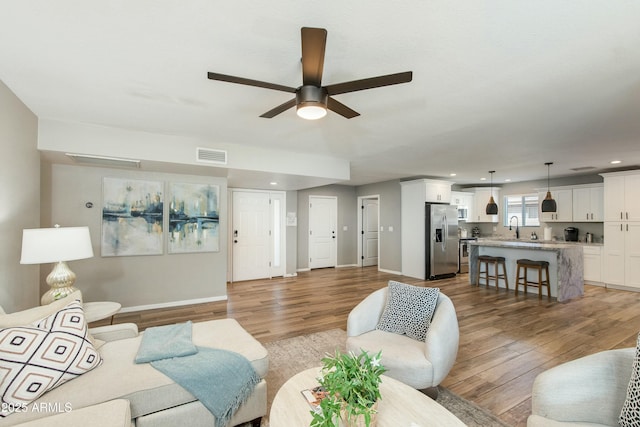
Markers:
134,280
292,235
389,258
19,200
347,240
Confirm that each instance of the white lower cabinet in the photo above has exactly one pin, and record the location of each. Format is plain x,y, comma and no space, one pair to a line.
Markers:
592,264
622,254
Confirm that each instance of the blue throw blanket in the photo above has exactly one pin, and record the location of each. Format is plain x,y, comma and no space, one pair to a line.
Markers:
166,341
220,379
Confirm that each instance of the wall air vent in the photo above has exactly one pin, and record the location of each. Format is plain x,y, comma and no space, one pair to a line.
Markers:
86,159
208,155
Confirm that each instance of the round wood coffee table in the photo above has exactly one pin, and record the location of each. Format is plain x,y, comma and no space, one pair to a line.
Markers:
400,405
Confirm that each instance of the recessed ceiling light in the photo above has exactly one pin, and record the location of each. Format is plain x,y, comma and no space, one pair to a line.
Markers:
615,162
507,180
483,179
452,174
273,183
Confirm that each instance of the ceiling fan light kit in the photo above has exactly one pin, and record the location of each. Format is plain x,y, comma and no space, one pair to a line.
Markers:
312,99
311,102
548,204
492,207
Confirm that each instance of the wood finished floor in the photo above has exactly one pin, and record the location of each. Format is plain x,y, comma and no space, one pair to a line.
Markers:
505,341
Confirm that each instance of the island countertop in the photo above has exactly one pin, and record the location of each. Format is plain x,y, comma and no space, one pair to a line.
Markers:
565,262
535,243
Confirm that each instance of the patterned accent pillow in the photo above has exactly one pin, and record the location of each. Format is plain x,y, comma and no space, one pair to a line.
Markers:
630,414
41,356
409,310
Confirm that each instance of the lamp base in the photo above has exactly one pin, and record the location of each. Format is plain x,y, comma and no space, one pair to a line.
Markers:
61,280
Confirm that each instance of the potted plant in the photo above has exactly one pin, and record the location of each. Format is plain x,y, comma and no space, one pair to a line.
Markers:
352,383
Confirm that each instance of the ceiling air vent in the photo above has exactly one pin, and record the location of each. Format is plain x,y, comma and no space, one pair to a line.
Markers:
208,155
583,168
86,159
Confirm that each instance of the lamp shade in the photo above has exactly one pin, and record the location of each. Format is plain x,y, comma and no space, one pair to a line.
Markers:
492,207
548,204
45,245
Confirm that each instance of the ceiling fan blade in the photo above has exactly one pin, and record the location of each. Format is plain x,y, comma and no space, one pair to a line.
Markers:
279,109
249,82
340,108
370,83
314,41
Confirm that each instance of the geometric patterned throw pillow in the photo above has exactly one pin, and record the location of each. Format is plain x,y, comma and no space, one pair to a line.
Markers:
409,310
630,414
39,357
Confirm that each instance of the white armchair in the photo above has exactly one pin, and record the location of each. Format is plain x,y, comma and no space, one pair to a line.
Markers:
421,365
589,391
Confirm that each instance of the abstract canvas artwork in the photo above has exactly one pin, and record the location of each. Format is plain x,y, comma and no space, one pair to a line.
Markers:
193,218
132,217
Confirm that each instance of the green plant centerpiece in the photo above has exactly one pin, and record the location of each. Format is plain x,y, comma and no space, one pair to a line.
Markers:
352,383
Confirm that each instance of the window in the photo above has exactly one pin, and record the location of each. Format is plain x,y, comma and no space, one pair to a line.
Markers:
524,207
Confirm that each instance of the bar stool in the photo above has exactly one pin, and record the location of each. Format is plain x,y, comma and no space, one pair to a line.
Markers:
487,260
535,265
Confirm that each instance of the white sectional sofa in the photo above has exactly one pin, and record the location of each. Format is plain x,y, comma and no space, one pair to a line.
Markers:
154,399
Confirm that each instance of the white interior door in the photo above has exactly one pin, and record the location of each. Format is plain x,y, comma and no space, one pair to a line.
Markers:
369,232
278,234
258,235
323,218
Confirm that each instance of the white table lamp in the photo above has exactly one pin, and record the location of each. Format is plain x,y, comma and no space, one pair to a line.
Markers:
57,245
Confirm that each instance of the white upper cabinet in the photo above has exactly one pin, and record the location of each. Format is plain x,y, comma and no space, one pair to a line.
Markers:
588,204
437,191
477,212
564,203
621,201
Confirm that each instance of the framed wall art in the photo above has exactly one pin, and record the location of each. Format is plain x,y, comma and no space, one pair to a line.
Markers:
194,221
132,217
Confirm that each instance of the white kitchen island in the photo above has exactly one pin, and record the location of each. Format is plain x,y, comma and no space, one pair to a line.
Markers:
566,264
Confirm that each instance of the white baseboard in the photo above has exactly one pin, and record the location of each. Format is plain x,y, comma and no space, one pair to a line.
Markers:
300,270
172,304
622,287
399,273
346,265
291,275
589,282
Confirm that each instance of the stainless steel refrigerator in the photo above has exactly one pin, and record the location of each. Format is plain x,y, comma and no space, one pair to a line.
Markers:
441,241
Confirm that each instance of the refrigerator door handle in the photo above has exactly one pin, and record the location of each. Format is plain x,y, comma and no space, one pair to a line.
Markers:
446,233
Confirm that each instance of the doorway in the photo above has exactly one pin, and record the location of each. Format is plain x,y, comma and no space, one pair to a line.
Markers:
257,234
323,238
368,230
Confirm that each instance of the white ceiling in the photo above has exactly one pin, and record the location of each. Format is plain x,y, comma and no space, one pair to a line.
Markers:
497,85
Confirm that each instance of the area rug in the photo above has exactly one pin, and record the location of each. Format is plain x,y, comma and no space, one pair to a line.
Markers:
289,356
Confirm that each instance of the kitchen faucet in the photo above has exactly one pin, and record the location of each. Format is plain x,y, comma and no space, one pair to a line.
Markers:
517,230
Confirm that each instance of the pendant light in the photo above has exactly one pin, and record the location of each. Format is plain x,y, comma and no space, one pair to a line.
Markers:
492,207
548,204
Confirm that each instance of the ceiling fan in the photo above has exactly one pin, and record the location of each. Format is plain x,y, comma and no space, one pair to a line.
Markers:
312,99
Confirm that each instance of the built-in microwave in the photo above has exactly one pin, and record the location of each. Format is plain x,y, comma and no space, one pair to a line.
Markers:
463,213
